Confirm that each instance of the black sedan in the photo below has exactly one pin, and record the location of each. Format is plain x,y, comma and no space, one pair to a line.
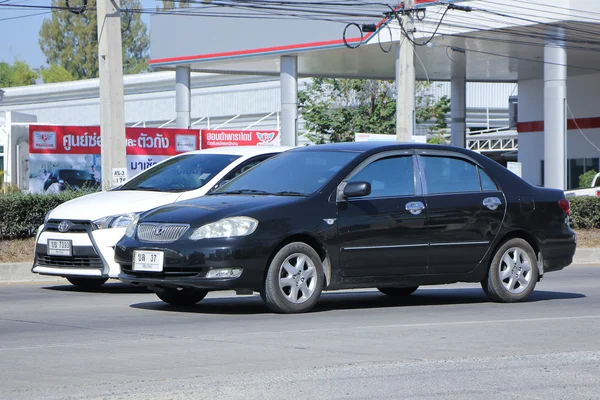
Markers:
354,215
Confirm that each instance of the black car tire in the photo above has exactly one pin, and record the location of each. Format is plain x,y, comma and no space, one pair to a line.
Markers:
311,275
185,297
398,291
87,283
495,287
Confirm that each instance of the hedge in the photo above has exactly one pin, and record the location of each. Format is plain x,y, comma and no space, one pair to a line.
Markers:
585,212
21,214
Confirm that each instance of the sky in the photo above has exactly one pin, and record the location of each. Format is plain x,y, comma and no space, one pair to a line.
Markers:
19,38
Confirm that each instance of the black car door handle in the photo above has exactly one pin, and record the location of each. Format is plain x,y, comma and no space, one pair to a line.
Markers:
415,207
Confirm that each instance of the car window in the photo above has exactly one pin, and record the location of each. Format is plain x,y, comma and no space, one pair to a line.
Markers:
245,166
301,172
390,176
179,174
487,184
450,175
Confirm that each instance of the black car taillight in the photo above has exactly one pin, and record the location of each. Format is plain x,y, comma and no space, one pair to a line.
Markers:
565,205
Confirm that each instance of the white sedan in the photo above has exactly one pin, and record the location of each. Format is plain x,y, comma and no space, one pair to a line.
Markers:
78,237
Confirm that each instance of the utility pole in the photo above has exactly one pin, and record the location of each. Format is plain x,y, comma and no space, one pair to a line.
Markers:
405,79
112,108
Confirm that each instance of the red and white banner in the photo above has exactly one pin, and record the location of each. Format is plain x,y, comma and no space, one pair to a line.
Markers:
87,140
228,137
54,148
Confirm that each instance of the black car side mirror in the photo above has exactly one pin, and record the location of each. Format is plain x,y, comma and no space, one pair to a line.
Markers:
357,189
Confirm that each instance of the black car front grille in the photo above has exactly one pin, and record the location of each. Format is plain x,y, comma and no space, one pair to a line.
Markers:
70,262
75,227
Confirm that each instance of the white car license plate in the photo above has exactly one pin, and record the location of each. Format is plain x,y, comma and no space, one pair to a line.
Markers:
59,248
148,261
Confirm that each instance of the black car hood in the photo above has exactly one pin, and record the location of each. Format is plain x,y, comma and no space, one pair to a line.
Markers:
215,207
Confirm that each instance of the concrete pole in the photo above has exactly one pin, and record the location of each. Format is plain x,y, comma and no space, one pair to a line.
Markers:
405,81
555,118
112,107
183,97
458,99
289,100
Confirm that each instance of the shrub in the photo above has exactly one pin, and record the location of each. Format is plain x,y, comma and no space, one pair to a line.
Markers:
585,180
21,214
585,212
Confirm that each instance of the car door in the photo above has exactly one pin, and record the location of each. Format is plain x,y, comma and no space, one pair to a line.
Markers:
465,210
384,233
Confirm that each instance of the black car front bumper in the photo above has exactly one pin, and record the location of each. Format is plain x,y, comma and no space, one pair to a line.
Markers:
187,262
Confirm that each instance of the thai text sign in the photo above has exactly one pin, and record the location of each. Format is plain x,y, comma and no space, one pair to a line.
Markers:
227,137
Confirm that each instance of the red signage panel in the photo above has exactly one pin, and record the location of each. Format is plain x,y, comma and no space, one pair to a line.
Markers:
228,137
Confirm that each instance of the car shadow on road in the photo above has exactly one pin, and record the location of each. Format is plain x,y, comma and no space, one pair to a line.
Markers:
108,288
332,301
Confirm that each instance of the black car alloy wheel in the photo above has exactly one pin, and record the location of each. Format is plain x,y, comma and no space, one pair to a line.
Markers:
294,279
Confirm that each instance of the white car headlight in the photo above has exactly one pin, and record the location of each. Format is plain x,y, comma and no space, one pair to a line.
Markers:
47,217
228,227
115,221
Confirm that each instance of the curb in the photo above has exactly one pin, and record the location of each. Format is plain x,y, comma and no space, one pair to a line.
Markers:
21,272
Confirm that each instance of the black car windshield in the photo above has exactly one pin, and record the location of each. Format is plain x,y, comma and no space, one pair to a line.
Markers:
73,175
180,174
292,173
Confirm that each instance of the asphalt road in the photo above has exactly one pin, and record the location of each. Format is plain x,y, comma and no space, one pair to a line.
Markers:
441,343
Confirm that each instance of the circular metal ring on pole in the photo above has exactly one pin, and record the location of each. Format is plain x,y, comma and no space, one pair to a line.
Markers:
77,10
391,40
361,35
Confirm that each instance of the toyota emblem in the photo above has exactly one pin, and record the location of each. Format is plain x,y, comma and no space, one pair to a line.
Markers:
159,230
64,226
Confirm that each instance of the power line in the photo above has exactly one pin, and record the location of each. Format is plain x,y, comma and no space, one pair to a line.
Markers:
25,16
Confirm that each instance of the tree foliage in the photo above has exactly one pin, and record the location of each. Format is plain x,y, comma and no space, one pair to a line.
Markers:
18,74
70,40
170,5
339,108
55,73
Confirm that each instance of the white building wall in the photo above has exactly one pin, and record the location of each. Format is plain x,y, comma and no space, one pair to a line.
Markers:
583,96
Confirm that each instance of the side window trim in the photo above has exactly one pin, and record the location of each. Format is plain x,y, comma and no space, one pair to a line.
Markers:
418,185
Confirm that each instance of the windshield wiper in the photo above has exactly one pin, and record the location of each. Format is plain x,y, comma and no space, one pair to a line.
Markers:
145,188
244,191
288,193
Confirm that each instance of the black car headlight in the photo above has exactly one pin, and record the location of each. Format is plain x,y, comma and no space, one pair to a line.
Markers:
225,228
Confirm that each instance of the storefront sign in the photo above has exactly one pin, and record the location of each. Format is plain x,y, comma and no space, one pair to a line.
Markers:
228,137
77,148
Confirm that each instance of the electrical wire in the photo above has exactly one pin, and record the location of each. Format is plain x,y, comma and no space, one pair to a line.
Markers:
25,16
580,130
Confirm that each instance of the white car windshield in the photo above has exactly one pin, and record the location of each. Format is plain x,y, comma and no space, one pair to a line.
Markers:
181,174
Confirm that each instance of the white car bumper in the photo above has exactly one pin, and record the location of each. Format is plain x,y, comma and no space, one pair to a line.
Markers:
93,252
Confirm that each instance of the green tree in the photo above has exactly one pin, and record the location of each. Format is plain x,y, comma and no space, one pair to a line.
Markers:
55,73
585,180
71,40
18,74
339,108
170,5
